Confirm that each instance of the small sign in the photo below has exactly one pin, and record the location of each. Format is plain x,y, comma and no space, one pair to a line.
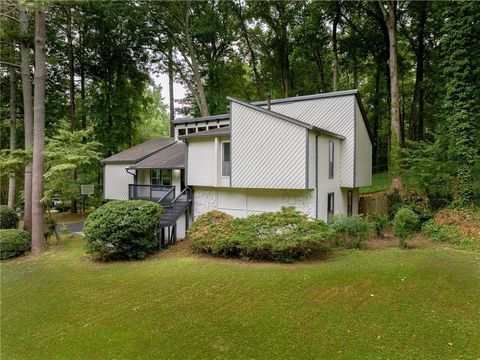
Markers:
87,189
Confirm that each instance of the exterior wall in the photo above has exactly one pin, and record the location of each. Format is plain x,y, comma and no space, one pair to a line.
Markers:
334,114
199,125
243,202
267,152
312,160
326,185
202,162
363,163
115,181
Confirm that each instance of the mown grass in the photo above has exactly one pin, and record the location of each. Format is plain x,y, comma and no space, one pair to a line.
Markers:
395,304
380,182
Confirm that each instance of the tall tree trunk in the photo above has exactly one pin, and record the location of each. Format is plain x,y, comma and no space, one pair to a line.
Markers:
82,78
170,91
38,131
395,136
336,20
71,81
27,113
420,54
12,185
321,70
376,116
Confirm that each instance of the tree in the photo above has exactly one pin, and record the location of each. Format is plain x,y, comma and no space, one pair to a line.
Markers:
389,15
13,136
27,112
38,130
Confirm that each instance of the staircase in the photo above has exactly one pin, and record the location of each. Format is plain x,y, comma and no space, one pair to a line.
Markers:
172,212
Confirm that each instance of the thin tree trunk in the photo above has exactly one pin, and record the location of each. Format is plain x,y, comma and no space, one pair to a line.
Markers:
420,70
336,20
27,114
71,81
376,116
12,185
170,91
38,132
82,79
321,70
395,137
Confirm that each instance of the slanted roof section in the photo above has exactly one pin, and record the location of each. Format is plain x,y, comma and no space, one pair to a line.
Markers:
222,131
308,97
139,152
202,119
171,157
286,118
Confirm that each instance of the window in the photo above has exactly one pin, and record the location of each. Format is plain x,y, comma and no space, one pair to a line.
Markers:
211,127
201,128
226,158
330,206
182,132
224,125
331,155
349,202
161,177
192,130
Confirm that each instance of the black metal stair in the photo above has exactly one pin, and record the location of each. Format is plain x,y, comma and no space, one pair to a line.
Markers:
172,213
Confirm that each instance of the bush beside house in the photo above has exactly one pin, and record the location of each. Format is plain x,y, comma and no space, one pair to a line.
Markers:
123,230
351,231
282,236
13,242
8,218
405,223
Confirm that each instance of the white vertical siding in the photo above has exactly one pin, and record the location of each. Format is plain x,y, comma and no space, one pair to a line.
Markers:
334,114
267,152
363,163
202,162
116,180
312,159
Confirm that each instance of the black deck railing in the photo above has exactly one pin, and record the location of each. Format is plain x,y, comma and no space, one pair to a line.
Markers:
158,193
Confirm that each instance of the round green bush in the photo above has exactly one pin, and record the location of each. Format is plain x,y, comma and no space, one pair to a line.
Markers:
405,223
13,242
351,230
8,218
283,236
123,230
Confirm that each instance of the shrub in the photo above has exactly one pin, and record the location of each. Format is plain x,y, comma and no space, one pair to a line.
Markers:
8,218
284,236
436,232
405,224
379,223
351,230
13,242
123,229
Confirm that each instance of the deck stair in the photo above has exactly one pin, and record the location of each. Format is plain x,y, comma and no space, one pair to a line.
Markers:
172,211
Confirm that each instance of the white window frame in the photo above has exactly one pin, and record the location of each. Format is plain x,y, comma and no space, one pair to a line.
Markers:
331,159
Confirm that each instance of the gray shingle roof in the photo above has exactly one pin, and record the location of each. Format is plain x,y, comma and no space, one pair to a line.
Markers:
222,131
139,152
171,157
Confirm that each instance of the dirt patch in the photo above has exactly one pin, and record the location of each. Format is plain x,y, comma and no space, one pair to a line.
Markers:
390,241
65,218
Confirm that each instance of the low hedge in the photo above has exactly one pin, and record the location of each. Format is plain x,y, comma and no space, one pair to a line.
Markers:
351,230
8,218
123,230
13,242
283,236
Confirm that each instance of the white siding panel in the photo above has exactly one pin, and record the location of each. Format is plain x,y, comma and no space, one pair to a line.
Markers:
334,114
267,152
116,180
363,176
202,162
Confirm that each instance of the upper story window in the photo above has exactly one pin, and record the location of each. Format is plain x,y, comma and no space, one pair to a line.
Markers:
226,158
182,132
331,156
161,177
330,206
192,130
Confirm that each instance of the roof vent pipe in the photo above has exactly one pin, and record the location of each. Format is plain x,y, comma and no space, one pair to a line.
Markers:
269,100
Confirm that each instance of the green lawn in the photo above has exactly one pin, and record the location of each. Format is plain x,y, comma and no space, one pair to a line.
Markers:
378,304
380,182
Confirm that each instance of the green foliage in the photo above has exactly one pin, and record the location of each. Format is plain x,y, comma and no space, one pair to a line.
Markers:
13,242
283,236
351,231
409,199
379,223
123,229
65,153
405,223
380,182
8,218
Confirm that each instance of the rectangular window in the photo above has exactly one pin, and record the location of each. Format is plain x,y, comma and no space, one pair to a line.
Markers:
349,202
192,130
201,128
330,206
211,127
161,177
182,132
226,158
224,125
331,154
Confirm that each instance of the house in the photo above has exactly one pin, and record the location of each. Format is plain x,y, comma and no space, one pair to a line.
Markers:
312,152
